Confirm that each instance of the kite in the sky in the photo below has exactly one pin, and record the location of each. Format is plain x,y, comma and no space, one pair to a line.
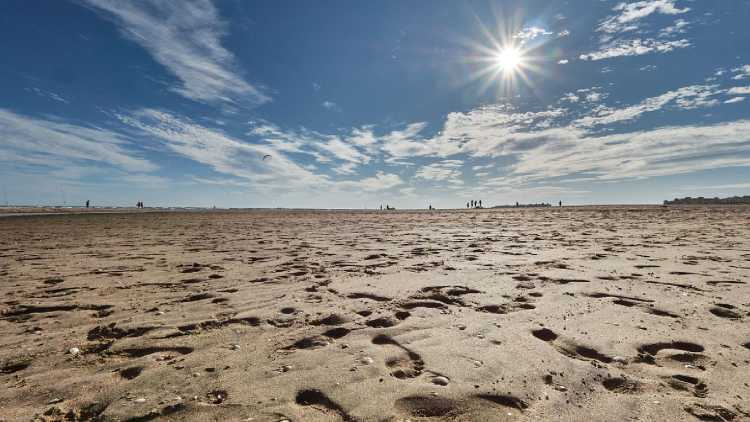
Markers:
266,156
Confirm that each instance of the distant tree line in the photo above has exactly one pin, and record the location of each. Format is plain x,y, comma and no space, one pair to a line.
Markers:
735,200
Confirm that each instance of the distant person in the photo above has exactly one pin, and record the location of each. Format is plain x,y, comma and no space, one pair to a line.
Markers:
87,203
467,205
516,203
381,207
561,203
480,203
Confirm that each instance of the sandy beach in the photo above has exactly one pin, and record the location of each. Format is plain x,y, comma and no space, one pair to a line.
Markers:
564,314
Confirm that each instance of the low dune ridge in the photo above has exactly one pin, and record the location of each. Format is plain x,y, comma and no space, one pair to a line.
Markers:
566,314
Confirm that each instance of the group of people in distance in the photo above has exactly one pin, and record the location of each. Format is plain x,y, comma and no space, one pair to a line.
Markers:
474,204
388,207
139,204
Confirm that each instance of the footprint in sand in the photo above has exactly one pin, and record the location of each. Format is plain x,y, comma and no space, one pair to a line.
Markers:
688,383
725,310
131,373
407,364
320,401
569,348
623,385
475,407
689,353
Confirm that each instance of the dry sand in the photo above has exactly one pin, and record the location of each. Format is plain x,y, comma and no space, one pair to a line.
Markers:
572,314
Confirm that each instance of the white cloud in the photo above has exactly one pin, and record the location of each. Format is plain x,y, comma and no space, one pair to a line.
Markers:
634,47
222,153
406,142
185,37
61,146
658,152
562,61
346,168
447,170
363,137
688,97
570,97
330,105
48,94
679,27
381,181
629,14
342,150
325,148
731,186
741,72
739,90
529,33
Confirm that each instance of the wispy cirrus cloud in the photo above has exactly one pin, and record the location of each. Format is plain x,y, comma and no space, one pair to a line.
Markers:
634,47
642,154
689,97
616,39
445,170
243,161
629,15
185,37
529,33
741,72
739,90
380,181
730,186
325,148
67,148
219,151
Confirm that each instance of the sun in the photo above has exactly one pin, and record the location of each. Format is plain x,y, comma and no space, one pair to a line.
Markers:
509,59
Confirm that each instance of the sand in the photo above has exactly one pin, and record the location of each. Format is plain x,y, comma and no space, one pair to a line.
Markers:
565,314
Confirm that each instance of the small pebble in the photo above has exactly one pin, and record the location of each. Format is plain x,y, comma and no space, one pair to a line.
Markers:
140,400
74,351
561,388
235,347
366,360
440,381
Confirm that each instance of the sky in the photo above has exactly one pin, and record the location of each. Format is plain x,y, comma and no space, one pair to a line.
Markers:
342,104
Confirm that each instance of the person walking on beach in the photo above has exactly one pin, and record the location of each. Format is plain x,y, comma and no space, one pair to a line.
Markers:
87,203
480,203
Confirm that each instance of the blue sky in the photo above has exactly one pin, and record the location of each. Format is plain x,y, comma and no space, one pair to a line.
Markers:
366,103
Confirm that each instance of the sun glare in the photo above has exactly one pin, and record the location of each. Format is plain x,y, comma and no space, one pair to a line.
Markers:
505,61
509,59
